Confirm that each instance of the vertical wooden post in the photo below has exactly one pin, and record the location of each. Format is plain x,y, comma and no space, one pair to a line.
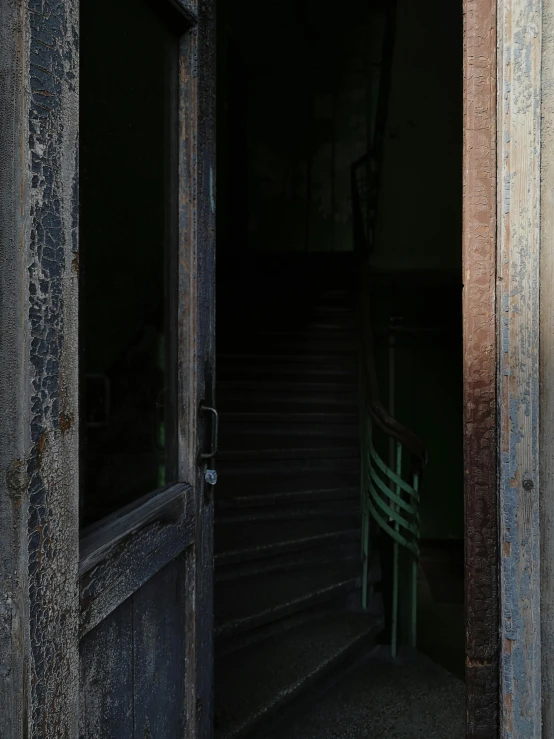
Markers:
480,356
519,111
39,480
547,369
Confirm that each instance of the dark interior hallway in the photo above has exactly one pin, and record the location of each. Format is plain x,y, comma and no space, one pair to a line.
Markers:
297,654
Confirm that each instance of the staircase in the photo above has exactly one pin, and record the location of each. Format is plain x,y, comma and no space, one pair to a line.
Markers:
287,528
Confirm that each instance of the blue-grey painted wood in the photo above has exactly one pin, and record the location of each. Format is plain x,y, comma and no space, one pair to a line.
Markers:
131,565
519,69
99,540
107,703
13,478
547,370
39,74
160,654
133,664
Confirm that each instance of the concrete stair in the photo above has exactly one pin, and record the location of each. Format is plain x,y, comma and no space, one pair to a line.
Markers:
287,527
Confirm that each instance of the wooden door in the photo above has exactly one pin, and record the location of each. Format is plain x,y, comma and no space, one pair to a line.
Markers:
107,400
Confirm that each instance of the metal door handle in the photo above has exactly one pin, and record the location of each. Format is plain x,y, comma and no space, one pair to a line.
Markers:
215,432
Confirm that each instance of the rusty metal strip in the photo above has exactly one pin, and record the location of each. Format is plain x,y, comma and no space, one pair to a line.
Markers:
480,354
519,111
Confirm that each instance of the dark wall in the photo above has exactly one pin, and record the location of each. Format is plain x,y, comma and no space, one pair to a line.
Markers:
420,203
298,92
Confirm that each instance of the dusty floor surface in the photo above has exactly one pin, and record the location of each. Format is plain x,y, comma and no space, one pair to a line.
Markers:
380,700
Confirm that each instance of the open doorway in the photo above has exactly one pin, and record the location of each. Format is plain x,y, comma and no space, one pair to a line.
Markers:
340,491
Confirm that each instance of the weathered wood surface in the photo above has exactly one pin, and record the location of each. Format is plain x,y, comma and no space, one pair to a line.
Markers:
133,664
53,462
106,683
197,347
159,630
547,370
119,556
519,110
13,450
188,10
480,356
39,410
99,540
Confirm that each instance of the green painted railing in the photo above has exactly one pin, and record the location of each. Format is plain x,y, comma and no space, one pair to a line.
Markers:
393,504
390,490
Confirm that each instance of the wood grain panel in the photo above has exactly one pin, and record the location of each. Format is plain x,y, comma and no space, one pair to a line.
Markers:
107,682
519,112
480,357
160,655
547,369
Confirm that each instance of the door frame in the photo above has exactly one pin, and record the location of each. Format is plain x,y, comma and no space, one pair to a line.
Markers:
38,404
480,359
501,276
42,611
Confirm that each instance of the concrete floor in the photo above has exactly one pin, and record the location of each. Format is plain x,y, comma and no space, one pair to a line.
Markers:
379,700
420,695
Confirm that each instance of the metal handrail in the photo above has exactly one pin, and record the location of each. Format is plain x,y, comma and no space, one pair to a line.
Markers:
389,491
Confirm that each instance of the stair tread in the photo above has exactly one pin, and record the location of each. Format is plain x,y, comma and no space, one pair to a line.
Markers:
292,385
288,513
269,549
262,680
230,537
275,466
336,452
284,358
258,599
288,416
327,553
297,496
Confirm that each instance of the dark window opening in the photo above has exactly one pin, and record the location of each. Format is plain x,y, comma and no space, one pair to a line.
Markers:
128,197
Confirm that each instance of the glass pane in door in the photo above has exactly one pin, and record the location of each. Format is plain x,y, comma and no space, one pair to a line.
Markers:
128,196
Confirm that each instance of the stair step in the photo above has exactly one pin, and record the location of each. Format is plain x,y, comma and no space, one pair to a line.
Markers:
278,371
259,533
293,402
285,360
275,629
335,341
239,437
276,476
298,512
245,604
301,388
347,552
332,331
306,453
283,546
255,685
273,419
294,497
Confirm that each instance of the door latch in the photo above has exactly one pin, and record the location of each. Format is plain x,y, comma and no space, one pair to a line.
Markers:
215,434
